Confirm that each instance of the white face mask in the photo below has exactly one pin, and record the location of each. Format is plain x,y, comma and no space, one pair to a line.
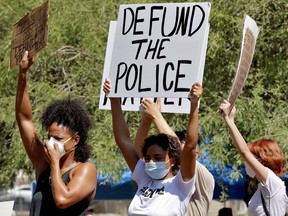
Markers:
51,142
157,170
60,144
249,171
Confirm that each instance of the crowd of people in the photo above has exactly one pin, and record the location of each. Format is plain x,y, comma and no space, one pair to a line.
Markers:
170,180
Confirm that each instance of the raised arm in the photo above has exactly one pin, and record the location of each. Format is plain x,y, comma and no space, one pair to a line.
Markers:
152,112
142,133
121,131
260,170
32,144
188,160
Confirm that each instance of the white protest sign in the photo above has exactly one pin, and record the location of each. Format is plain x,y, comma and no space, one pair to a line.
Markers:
168,105
249,37
6,208
159,49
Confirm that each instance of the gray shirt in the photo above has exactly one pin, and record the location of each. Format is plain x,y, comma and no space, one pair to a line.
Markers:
203,195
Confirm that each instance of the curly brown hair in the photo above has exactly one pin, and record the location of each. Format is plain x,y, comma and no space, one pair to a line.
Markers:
167,143
72,114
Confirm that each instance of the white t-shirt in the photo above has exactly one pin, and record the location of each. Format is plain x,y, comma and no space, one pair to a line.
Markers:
203,195
167,197
274,194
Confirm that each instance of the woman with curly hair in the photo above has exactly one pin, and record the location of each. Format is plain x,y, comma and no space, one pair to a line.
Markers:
161,189
204,182
66,181
265,160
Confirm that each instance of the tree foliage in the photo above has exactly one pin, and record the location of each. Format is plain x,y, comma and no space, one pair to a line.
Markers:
73,63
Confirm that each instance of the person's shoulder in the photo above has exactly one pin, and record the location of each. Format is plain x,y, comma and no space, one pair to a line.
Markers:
271,176
202,170
200,166
89,165
86,166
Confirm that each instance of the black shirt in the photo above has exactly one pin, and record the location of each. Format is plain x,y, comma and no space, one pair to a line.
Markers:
43,202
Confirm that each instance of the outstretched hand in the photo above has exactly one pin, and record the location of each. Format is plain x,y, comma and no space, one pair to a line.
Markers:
151,109
26,63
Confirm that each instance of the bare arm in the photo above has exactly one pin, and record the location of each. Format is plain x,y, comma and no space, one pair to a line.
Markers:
32,144
121,131
142,133
82,185
260,170
152,112
188,160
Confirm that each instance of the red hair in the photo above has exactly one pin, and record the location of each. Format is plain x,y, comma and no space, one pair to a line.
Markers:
270,154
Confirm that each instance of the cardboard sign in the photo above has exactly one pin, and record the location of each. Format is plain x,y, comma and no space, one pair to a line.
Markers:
29,34
159,49
250,34
168,105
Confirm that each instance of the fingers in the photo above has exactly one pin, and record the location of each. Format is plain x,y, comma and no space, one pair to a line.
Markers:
146,102
196,84
226,102
196,90
150,108
224,105
225,109
52,152
25,56
26,62
158,103
56,147
107,86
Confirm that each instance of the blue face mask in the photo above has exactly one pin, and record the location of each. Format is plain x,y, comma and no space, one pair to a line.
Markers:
156,170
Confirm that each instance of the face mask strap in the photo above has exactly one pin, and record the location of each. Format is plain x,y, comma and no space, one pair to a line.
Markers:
70,150
70,138
168,160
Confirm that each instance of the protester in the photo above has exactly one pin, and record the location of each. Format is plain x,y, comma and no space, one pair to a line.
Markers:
66,181
265,160
161,189
203,195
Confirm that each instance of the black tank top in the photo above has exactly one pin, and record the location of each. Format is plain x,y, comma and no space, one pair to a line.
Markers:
43,202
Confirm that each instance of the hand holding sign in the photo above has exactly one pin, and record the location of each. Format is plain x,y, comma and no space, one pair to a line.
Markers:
196,91
26,63
227,111
151,109
107,86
